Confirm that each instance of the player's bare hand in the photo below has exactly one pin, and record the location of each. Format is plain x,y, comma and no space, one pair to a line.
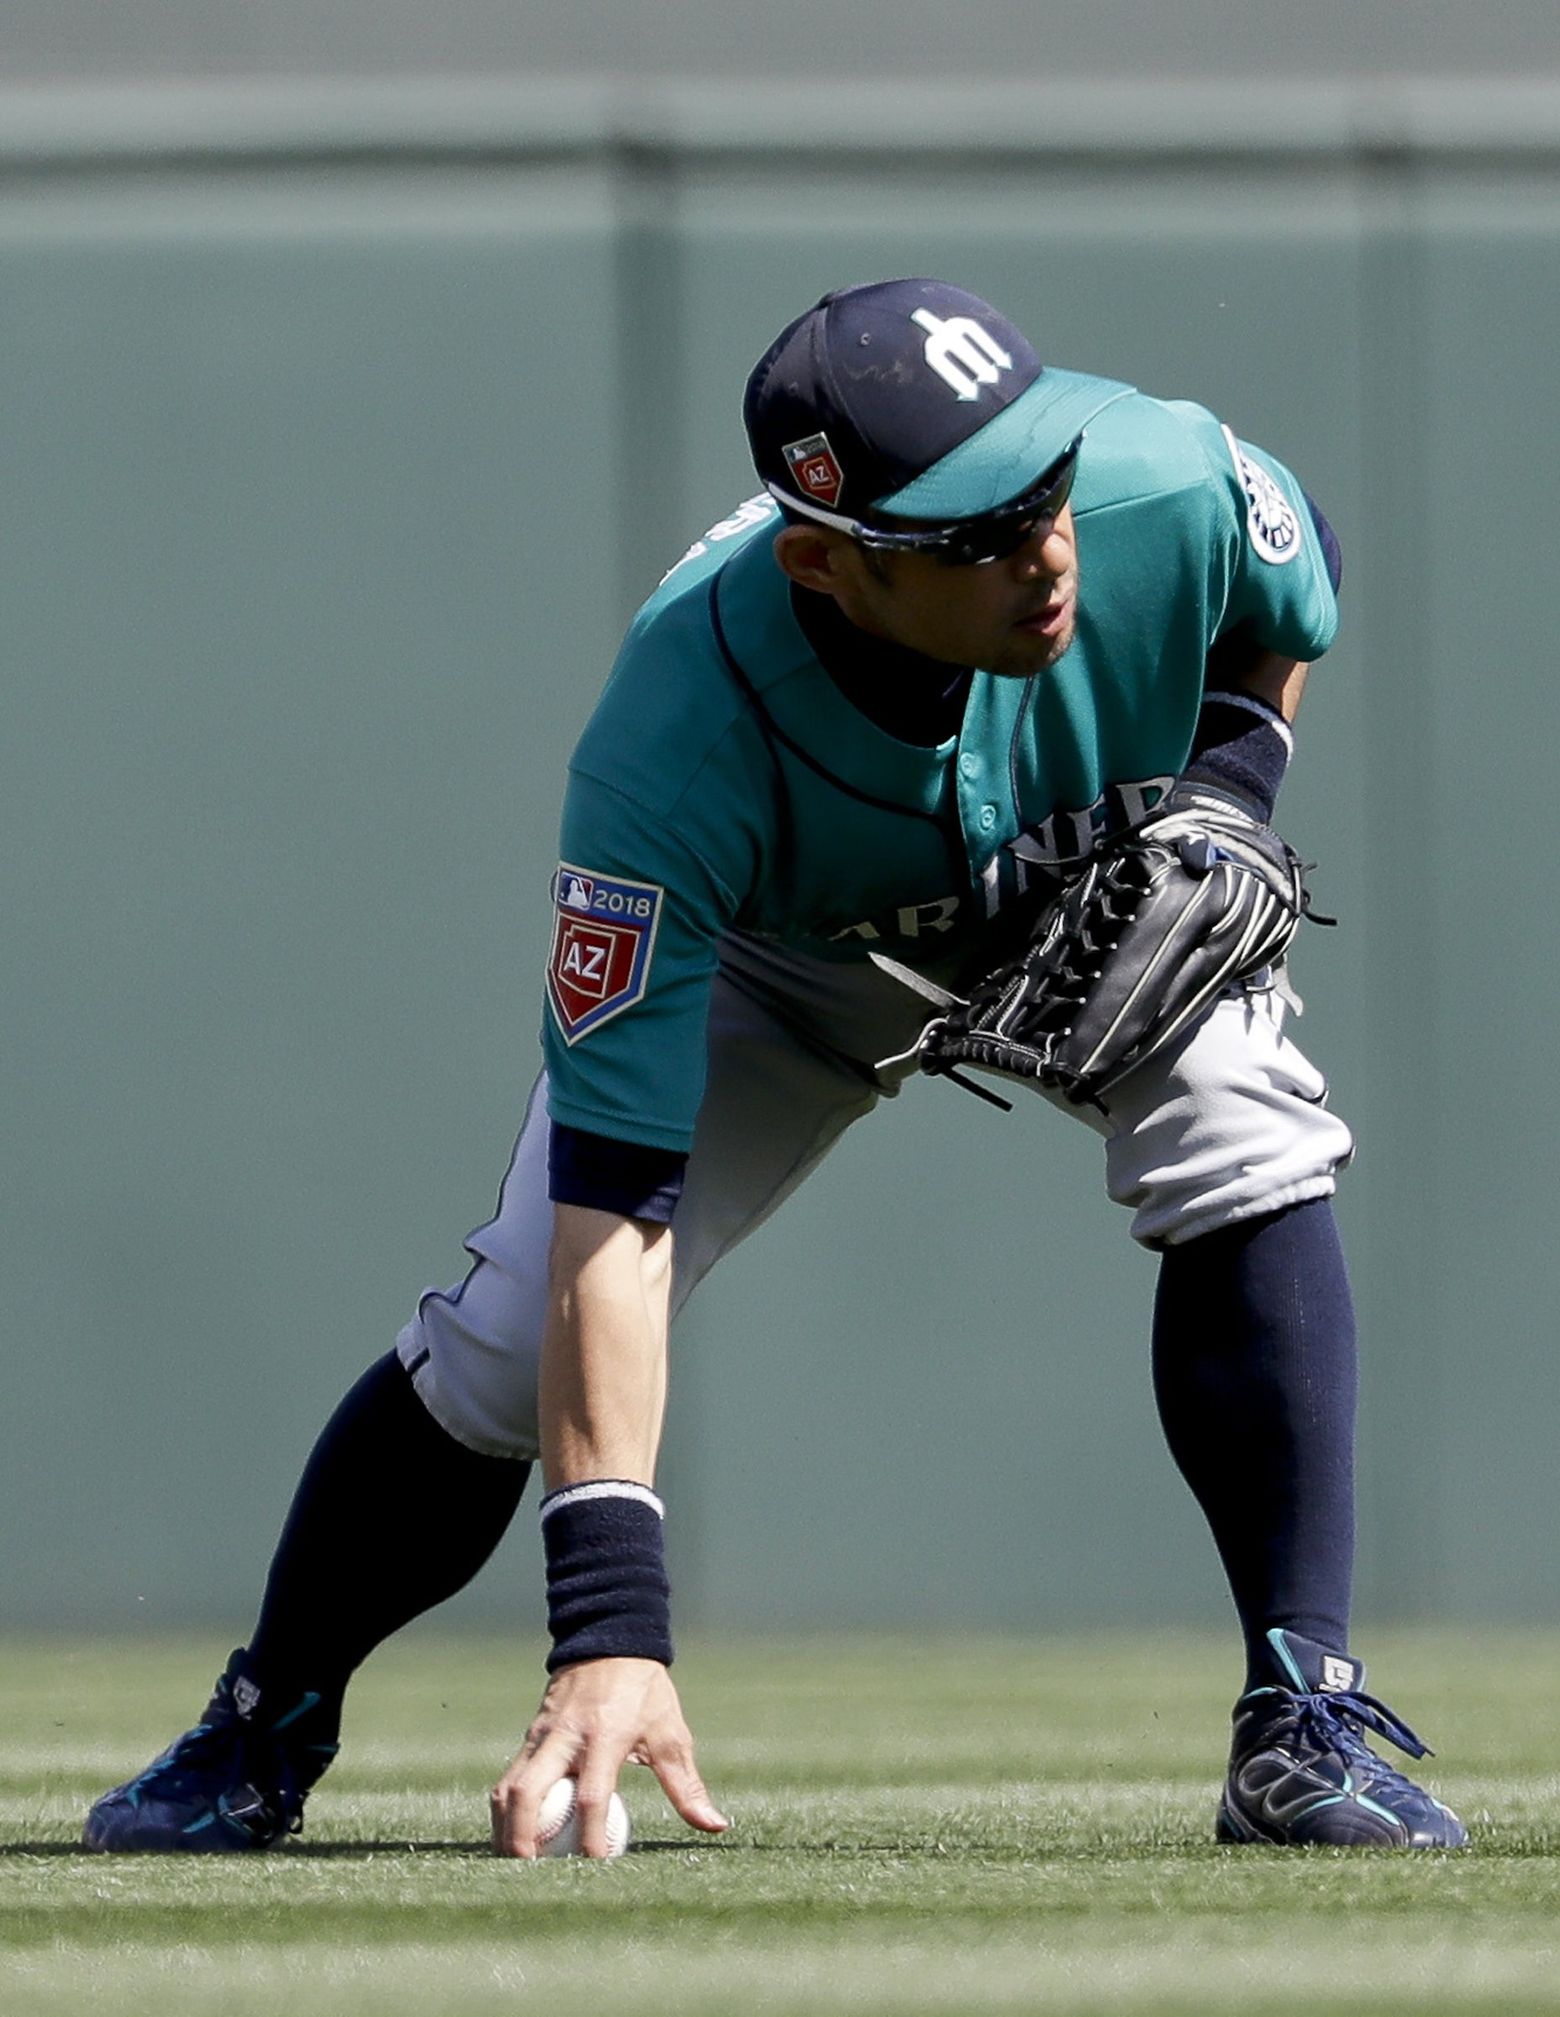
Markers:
594,1718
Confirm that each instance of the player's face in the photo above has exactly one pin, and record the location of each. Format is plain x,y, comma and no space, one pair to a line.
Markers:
1014,616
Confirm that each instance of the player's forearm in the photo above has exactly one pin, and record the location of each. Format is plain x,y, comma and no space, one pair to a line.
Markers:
1271,677
1242,743
603,1373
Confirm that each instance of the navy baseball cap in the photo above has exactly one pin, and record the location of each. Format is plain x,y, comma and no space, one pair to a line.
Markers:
909,399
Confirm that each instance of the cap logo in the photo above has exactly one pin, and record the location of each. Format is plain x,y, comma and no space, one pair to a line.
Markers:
963,355
816,471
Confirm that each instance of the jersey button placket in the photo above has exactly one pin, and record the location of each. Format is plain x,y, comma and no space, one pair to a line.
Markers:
978,815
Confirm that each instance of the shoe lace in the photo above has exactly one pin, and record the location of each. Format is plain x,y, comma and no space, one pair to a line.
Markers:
1338,1722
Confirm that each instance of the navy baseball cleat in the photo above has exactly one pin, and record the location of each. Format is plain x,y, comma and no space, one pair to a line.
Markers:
1301,1772
236,1781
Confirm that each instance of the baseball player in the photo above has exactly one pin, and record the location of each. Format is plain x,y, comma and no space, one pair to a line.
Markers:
985,614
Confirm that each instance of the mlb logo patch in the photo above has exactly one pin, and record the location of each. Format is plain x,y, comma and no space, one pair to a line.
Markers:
603,936
812,462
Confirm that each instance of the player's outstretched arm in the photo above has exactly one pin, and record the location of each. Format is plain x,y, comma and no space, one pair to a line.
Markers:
610,1698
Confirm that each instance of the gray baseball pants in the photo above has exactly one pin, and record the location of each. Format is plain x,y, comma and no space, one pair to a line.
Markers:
1229,1124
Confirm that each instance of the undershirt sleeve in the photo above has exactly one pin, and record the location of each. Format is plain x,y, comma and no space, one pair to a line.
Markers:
627,1178
1332,552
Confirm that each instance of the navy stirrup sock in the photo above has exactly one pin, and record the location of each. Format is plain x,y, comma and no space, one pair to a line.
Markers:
391,1517
1255,1376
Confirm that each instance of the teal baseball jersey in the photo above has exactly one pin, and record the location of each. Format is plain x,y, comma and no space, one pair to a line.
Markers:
726,784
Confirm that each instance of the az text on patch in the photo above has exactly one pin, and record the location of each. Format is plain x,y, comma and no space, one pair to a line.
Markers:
603,937
816,468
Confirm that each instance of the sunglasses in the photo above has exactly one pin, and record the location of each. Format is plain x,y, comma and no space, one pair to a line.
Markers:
994,535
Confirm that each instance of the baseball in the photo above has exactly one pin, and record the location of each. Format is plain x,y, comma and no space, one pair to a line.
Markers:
558,1826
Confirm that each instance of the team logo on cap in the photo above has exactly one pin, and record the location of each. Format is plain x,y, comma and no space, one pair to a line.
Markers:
963,355
603,936
813,466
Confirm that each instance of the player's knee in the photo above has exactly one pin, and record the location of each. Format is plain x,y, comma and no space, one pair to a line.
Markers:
1173,1214
473,1359
1232,1127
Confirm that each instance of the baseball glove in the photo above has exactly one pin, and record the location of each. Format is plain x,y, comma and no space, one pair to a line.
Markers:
1138,944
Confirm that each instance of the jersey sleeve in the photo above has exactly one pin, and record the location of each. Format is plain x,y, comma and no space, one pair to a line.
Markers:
1278,585
637,916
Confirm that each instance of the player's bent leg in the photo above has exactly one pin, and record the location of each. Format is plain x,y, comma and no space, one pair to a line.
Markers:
1255,1376
1230,1124
778,1097
399,1505
391,1517
474,1352
1224,1151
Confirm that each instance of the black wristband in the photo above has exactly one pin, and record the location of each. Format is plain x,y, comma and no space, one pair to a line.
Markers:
608,1597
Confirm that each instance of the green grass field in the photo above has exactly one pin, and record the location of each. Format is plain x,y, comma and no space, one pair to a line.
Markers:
919,1828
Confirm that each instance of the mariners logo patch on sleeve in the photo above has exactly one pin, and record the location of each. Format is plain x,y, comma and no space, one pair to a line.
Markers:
603,937
1271,524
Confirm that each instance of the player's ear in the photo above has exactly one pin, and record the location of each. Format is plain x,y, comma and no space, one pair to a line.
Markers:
814,556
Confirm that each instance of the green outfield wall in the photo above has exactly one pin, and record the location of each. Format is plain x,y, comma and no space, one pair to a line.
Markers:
341,430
